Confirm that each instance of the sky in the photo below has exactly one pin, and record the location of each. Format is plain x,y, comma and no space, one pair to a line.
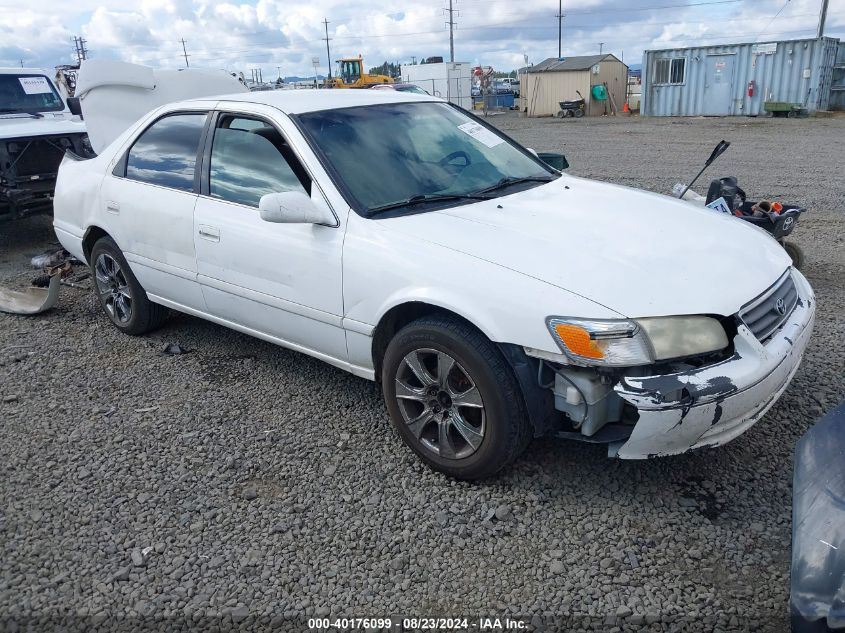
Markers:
285,36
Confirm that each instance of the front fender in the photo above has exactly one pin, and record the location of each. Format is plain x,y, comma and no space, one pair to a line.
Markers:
383,269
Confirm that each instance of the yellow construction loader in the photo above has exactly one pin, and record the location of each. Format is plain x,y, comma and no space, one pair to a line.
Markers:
350,74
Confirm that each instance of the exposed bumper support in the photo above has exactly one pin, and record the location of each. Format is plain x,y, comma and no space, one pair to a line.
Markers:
715,404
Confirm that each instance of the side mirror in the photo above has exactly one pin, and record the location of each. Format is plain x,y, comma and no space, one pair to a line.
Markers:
74,106
292,207
552,159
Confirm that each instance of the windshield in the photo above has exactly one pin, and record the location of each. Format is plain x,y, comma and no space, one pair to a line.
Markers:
388,153
28,93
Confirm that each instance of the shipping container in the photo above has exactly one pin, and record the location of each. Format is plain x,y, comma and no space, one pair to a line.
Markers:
739,79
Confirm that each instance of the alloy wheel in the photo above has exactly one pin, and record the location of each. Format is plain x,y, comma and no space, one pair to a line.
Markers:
440,403
113,288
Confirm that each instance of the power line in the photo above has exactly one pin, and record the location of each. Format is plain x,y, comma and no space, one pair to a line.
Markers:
212,55
328,53
573,13
772,20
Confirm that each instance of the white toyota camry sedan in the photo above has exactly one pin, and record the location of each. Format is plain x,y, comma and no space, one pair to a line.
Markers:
494,298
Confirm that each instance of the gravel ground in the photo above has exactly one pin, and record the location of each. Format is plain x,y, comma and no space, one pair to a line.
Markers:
244,485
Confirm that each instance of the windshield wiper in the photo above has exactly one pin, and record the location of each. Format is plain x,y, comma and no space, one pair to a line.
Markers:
35,115
423,198
507,182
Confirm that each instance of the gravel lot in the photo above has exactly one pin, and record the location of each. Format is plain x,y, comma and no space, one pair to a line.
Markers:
242,484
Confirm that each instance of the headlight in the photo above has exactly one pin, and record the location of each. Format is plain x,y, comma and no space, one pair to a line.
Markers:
672,337
627,343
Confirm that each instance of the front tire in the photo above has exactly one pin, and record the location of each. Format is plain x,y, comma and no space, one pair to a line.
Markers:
121,296
795,252
453,398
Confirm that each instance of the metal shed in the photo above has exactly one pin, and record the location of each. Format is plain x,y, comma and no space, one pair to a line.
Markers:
737,79
543,85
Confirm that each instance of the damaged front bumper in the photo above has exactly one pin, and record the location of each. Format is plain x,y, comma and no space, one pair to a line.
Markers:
712,405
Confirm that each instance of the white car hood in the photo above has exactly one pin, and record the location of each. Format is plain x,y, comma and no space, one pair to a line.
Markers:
637,253
17,126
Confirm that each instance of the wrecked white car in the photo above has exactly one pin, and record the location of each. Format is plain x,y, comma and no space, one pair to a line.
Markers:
36,129
402,239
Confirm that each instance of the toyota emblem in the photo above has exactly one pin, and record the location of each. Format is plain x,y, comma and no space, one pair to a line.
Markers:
780,306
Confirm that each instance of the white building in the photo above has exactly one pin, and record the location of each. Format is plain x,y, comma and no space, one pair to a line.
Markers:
450,81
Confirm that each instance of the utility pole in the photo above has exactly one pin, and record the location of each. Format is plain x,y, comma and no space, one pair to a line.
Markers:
822,18
601,47
560,16
414,60
81,51
21,63
328,53
185,52
279,68
451,24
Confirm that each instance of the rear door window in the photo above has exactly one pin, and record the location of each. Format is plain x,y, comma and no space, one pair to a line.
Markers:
166,153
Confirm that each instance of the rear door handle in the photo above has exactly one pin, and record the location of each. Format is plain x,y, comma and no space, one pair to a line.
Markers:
112,207
210,233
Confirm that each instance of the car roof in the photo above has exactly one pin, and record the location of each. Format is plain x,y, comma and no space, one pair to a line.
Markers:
311,100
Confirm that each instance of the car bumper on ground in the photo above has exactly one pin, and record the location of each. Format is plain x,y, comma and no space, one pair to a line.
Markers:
712,405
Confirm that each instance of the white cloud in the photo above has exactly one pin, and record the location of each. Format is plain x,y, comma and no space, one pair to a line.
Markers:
240,35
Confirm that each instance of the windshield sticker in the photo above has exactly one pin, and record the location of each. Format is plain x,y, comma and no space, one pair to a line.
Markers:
35,85
481,134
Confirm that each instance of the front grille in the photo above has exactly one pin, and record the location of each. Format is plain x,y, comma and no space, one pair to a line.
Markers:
765,314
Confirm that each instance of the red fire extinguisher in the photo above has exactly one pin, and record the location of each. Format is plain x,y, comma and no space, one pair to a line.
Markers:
751,88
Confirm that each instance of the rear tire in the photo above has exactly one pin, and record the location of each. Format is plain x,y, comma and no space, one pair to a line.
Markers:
120,295
453,398
578,113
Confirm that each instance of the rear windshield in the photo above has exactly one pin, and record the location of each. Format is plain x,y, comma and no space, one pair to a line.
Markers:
28,93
